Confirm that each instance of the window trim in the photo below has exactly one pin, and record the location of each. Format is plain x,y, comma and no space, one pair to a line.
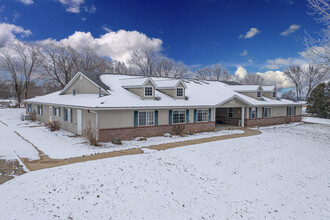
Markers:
203,109
265,116
185,115
153,120
152,91
177,92
231,112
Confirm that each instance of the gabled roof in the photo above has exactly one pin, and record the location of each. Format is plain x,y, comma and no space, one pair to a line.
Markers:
93,77
246,88
136,82
168,83
269,88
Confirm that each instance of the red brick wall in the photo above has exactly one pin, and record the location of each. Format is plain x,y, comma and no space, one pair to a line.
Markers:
106,135
271,121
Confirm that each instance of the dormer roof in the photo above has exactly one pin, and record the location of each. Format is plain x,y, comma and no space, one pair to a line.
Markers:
168,83
269,88
246,88
137,82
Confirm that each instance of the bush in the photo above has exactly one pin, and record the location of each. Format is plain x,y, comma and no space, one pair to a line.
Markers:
91,133
318,102
178,129
287,120
116,140
54,125
33,116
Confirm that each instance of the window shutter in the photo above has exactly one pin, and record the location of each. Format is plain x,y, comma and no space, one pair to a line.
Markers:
195,115
65,116
256,112
136,118
71,115
170,117
210,112
295,108
54,110
250,113
187,116
42,110
287,111
263,112
156,117
59,111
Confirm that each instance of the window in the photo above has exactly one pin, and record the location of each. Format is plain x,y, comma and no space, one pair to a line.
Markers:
230,112
146,118
291,110
29,107
74,91
179,116
202,115
68,114
253,113
148,91
274,94
179,92
39,109
267,112
259,94
56,111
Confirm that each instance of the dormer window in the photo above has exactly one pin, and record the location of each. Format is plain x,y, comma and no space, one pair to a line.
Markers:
274,94
259,94
74,92
148,91
179,92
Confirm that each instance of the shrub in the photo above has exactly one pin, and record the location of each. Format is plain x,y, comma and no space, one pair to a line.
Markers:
91,133
178,129
54,125
287,120
116,140
33,115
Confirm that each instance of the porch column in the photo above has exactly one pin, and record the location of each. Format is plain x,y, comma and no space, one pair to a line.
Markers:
242,117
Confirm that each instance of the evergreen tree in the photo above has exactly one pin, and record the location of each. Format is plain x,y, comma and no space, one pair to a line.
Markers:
319,101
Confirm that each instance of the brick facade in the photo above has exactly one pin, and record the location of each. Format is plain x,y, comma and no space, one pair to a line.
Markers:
272,121
106,135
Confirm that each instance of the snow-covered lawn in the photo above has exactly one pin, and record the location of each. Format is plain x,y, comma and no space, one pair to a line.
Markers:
316,120
60,145
281,174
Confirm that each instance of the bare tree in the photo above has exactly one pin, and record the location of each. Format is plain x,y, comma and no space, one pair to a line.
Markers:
179,70
290,95
294,73
318,49
313,75
204,73
214,72
163,66
21,63
145,59
252,79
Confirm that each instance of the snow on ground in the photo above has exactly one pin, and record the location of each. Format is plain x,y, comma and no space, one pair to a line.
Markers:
60,145
317,120
281,174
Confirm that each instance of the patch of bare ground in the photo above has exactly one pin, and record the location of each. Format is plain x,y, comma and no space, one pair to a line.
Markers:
9,169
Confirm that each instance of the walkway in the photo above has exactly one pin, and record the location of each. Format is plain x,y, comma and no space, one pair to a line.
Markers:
46,162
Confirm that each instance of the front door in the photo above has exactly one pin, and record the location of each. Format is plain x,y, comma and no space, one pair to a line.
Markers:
79,122
50,114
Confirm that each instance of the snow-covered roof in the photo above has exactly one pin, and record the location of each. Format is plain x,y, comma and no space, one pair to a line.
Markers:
269,88
208,94
245,88
167,83
134,82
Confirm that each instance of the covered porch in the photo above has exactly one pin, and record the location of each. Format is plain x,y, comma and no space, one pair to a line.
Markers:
230,113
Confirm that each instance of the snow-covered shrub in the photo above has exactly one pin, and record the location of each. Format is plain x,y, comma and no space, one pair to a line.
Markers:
178,129
54,125
33,115
91,134
141,139
167,135
116,140
287,120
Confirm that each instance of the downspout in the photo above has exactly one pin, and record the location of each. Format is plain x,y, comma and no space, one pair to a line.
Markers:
96,123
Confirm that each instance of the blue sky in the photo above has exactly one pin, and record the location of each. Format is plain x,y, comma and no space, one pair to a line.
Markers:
197,32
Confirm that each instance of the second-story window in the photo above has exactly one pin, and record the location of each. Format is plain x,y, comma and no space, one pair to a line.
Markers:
259,94
148,91
179,92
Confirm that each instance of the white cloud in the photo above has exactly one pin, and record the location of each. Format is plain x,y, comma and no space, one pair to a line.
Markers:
26,2
72,6
240,72
279,63
117,45
244,53
293,28
8,34
276,78
251,33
